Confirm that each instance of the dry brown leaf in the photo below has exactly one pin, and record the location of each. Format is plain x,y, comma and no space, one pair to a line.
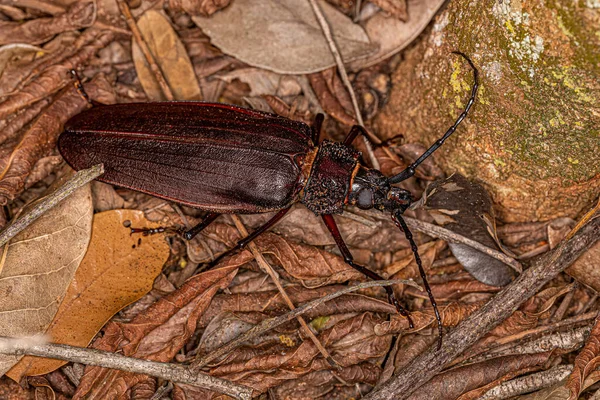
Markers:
333,96
10,52
117,270
271,303
396,8
170,55
198,7
451,315
80,15
19,154
156,334
38,265
586,270
453,383
393,35
585,363
350,342
286,37
465,208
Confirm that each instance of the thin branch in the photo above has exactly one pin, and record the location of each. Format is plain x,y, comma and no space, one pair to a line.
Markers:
273,323
500,307
449,236
529,383
171,372
264,265
78,180
139,40
343,74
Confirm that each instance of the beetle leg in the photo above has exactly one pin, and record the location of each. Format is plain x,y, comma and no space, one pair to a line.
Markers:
81,90
316,128
335,232
210,217
356,129
410,170
257,232
400,223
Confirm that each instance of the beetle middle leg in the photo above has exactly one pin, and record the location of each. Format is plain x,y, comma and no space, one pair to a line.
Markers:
335,232
257,232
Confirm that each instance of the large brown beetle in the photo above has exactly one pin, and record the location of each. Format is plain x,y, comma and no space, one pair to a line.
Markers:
226,160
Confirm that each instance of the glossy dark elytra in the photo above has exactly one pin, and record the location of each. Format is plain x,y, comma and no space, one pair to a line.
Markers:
226,159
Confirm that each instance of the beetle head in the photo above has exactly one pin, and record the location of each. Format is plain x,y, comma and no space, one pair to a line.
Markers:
372,189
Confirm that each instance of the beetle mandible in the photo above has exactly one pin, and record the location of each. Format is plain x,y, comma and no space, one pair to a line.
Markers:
227,159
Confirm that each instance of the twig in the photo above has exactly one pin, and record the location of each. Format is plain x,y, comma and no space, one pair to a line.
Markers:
500,307
172,372
343,74
264,265
449,236
529,383
78,180
273,323
139,40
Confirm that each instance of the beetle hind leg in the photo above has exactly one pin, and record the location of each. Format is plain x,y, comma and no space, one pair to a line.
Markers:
333,229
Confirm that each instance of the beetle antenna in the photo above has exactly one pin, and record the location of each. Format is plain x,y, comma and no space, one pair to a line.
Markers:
410,170
400,223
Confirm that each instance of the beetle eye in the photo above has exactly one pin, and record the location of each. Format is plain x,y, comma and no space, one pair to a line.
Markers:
365,199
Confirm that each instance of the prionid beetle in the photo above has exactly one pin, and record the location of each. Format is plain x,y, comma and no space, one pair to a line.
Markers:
226,159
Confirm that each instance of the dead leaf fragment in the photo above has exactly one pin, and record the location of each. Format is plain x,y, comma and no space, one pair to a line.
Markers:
171,56
396,8
156,334
198,7
117,270
585,363
80,15
465,208
38,266
392,35
285,35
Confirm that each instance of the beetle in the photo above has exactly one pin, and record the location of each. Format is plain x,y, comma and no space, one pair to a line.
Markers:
226,159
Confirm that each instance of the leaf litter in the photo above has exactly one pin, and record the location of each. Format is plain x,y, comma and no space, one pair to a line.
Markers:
202,51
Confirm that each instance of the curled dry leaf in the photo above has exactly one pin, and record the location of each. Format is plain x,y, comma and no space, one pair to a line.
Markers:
156,334
117,270
333,96
38,265
198,7
320,384
465,208
457,381
171,56
39,30
350,342
19,154
392,35
311,266
270,303
452,314
55,77
586,270
10,52
286,37
586,362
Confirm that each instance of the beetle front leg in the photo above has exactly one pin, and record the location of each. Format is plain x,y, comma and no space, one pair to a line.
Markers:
335,232
316,128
